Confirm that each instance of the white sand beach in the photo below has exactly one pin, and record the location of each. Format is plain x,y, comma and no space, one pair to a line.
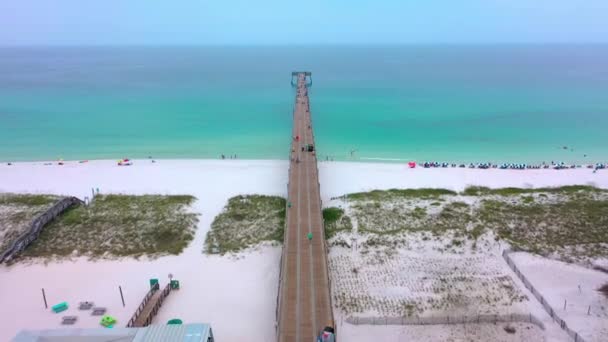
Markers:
237,295
572,290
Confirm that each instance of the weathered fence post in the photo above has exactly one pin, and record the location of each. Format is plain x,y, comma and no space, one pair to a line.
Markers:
121,296
46,306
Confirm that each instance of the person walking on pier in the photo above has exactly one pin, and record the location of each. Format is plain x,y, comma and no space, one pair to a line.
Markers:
309,236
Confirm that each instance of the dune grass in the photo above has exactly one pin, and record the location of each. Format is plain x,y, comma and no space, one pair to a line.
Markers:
580,224
245,222
120,226
17,211
399,193
564,190
391,217
335,221
570,220
27,199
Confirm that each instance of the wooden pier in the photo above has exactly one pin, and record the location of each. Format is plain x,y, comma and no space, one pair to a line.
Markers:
304,303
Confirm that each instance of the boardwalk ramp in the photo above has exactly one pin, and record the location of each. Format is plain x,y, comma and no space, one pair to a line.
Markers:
149,306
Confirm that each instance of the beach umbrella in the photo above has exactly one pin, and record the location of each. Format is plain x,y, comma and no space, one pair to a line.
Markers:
411,164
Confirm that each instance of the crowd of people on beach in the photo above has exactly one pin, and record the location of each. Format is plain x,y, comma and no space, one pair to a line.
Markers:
412,164
512,166
119,162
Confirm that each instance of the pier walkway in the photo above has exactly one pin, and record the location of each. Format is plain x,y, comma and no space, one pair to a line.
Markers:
304,303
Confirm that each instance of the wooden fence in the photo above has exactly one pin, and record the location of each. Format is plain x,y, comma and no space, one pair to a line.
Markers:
36,226
455,319
540,298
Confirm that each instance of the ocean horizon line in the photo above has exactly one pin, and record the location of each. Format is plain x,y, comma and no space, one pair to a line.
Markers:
312,45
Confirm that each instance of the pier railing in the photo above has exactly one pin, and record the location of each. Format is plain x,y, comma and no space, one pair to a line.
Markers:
165,292
151,313
279,299
143,304
281,274
325,246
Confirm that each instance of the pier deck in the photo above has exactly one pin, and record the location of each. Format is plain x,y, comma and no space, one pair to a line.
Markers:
304,297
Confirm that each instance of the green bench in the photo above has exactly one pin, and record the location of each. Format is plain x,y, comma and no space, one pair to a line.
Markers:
59,307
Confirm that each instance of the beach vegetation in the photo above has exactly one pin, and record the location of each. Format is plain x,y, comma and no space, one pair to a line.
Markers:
423,285
574,227
411,243
27,199
424,193
510,191
604,290
527,199
119,226
571,221
335,221
246,221
17,211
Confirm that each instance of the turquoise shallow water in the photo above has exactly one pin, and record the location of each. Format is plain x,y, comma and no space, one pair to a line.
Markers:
498,103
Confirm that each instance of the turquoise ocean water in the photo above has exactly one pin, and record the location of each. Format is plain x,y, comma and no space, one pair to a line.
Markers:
453,103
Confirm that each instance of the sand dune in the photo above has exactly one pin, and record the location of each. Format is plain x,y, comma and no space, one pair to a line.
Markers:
236,295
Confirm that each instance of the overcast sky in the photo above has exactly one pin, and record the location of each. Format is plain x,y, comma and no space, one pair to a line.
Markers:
251,22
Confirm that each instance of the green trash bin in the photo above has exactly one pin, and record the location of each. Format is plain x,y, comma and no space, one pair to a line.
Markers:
153,282
174,284
175,321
